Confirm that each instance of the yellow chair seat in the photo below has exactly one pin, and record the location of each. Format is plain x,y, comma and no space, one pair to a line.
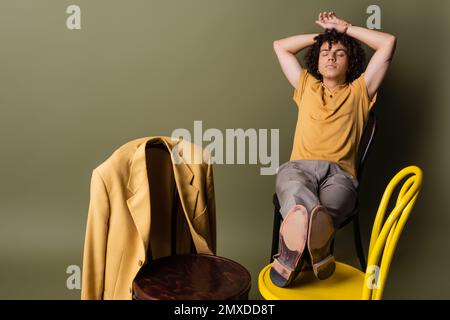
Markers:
346,283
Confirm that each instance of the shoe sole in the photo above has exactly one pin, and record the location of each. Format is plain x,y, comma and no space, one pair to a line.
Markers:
321,232
293,237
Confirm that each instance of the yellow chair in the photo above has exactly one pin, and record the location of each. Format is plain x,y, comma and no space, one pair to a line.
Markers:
348,282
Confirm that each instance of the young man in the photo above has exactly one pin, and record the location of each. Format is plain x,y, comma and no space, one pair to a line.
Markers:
334,94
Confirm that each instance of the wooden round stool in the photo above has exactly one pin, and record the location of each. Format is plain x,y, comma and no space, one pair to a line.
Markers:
192,277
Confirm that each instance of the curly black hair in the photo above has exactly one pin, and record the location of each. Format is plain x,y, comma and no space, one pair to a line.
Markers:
356,54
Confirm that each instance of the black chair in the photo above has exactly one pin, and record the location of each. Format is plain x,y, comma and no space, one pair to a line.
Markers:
366,141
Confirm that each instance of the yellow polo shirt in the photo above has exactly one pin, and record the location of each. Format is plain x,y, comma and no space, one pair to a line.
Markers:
330,123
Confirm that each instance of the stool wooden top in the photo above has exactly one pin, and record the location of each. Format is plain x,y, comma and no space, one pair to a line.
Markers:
192,277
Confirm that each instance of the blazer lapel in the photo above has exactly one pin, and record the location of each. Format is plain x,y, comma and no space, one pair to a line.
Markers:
184,177
188,194
139,201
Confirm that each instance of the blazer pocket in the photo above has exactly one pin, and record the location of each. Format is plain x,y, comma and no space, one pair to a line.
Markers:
200,222
200,210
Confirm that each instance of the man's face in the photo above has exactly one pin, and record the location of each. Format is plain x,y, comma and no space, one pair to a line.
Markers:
333,62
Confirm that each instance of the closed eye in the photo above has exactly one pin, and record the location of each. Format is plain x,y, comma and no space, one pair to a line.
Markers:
340,54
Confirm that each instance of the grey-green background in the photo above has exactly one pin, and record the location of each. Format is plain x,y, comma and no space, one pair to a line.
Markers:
68,99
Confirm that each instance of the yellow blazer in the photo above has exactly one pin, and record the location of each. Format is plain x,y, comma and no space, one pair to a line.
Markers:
118,223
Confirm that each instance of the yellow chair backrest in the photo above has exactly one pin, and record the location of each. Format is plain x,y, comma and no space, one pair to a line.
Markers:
385,234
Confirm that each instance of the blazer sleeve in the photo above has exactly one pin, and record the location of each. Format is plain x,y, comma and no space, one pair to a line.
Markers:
211,203
94,254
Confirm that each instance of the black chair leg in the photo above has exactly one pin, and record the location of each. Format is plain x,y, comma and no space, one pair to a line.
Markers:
275,233
358,243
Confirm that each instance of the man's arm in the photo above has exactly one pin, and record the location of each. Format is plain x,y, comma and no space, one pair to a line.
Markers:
286,49
383,44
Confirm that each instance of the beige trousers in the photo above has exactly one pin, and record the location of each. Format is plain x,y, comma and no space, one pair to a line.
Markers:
314,182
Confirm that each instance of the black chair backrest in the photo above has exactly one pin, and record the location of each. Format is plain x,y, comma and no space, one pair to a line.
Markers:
366,143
